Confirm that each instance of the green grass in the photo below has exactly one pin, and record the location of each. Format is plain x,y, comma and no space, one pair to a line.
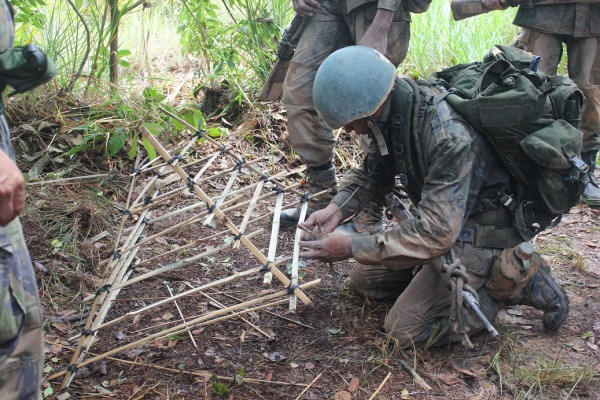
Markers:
438,41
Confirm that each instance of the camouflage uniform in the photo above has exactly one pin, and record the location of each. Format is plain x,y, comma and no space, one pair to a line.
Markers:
545,29
337,24
21,342
458,166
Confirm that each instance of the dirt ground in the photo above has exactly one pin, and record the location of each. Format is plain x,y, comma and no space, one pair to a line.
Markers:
334,348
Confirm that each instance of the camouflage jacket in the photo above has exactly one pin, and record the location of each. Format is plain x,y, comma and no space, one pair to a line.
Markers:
457,166
578,20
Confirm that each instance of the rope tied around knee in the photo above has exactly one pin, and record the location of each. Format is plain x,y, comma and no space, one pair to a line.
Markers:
456,279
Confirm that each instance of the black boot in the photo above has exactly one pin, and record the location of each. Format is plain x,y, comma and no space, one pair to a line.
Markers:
318,180
591,194
544,293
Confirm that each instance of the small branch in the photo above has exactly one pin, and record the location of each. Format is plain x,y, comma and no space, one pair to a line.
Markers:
418,380
380,386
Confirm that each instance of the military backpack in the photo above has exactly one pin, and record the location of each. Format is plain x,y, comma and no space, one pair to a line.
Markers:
531,120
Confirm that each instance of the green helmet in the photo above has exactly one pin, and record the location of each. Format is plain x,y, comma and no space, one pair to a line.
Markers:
352,83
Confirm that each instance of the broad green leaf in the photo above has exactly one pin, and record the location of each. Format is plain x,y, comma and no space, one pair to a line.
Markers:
149,149
134,148
153,128
117,141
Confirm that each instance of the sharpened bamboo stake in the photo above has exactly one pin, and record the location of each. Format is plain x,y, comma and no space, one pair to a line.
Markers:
181,315
220,215
296,256
380,386
249,211
274,236
218,315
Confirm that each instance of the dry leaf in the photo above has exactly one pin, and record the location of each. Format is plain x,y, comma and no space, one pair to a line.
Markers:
343,395
269,376
161,240
136,320
243,337
167,316
309,365
592,346
354,384
60,326
404,395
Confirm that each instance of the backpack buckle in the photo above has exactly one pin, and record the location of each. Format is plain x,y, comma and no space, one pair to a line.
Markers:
579,164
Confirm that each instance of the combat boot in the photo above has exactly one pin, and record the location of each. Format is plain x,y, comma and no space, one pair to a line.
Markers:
591,194
318,180
544,293
368,221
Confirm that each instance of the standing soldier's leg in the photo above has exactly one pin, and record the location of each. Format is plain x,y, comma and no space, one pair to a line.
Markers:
310,137
581,53
21,342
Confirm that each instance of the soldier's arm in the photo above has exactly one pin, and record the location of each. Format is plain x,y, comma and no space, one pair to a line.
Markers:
441,211
12,190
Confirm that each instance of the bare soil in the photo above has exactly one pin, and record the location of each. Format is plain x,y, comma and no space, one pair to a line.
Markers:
333,348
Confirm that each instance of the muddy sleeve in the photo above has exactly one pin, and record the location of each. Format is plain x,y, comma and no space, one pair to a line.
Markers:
441,211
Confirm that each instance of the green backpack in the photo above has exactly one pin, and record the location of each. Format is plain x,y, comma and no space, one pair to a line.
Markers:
531,121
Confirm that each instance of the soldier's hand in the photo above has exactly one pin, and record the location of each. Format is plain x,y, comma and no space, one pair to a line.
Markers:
12,190
495,4
334,247
305,8
321,222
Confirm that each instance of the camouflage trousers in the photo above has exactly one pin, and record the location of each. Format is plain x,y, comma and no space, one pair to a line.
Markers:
420,315
581,53
329,30
21,341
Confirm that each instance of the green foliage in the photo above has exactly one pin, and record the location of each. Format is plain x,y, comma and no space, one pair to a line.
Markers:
239,376
236,40
218,388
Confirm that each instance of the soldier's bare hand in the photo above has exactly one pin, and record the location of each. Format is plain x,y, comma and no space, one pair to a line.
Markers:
495,4
12,190
305,8
334,247
321,222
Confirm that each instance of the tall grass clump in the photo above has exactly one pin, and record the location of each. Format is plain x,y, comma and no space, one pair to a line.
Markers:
437,41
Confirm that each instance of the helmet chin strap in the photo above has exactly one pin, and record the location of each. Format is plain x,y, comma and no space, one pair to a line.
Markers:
376,132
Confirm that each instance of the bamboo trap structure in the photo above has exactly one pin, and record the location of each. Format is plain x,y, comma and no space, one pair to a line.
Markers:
181,214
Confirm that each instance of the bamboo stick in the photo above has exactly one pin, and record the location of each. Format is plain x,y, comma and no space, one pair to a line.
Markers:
181,315
230,278
221,198
249,211
218,315
209,139
274,236
296,256
220,215
220,305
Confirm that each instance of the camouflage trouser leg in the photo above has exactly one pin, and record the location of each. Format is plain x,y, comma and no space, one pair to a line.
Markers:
581,53
21,341
420,315
328,30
